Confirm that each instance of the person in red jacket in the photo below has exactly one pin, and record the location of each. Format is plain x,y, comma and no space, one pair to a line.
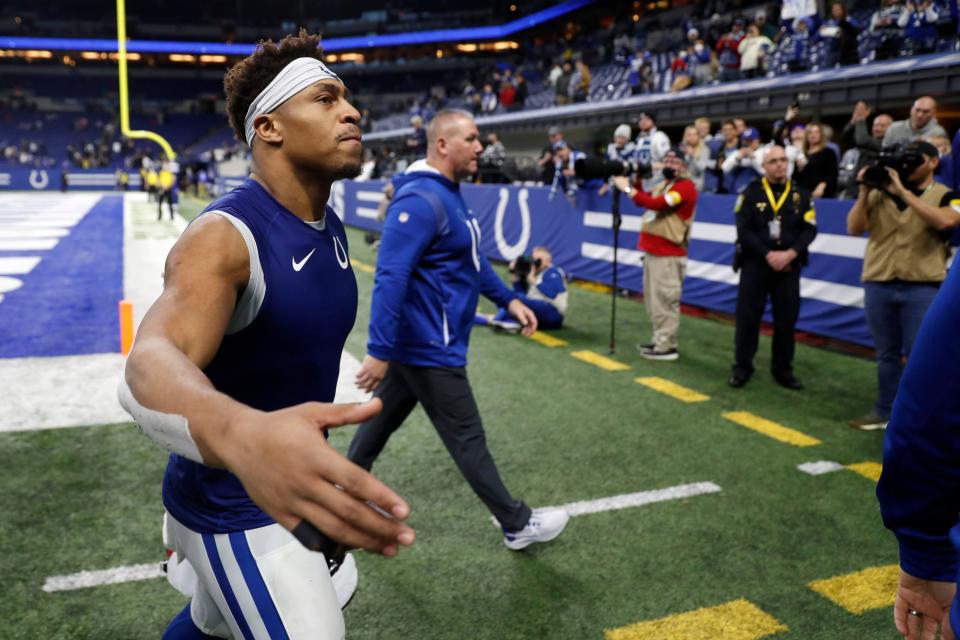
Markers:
663,239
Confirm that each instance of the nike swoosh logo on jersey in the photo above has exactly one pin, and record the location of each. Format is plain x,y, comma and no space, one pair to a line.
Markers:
299,265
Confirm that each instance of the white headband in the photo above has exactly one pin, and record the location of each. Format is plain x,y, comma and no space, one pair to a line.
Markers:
292,79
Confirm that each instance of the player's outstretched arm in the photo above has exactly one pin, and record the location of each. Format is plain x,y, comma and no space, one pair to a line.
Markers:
281,457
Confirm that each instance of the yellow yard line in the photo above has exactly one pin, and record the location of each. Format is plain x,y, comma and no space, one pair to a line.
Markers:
598,360
771,429
548,340
362,266
592,286
737,620
872,588
672,389
869,470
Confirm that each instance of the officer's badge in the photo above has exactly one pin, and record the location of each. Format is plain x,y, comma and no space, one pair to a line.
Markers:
762,206
796,199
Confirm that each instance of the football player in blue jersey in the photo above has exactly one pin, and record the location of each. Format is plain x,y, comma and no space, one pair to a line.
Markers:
430,272
237,360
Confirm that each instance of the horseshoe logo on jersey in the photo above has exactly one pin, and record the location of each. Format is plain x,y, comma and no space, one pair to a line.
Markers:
338,249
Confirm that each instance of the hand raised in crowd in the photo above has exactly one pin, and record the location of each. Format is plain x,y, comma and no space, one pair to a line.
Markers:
791,114
523,315
861,111
371,372
781,260
292,473
921,606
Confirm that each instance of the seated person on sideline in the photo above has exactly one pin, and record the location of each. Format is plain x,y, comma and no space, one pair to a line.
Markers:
541,286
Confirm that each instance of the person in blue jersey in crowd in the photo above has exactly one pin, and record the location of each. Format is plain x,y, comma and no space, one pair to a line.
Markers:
565,178
235,364
622,149
430,272
919,488
540,285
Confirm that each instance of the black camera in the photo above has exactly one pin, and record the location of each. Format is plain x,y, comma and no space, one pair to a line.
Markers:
591,168
904,159
523,265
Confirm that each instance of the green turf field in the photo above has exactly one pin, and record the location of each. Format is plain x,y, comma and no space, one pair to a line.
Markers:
561,430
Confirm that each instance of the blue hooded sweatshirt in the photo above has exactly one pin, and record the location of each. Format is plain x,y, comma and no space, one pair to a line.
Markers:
430,273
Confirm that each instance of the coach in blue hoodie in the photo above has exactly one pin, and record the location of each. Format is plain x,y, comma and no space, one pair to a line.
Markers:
430,272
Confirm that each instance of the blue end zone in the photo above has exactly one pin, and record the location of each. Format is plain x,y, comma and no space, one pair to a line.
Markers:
68,302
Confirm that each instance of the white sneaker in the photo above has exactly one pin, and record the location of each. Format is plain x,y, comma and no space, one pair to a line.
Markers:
506,325
345,577
543,526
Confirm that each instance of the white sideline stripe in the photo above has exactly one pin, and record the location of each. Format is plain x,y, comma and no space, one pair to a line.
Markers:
370,196
840,294
830,244
116,575
15,232
367,212
17,266
28,245
820,467
625,501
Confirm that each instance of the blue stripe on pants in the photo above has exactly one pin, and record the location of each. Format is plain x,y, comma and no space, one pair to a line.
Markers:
258,588
217,565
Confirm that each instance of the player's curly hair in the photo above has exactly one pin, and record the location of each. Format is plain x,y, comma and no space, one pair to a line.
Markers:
250,76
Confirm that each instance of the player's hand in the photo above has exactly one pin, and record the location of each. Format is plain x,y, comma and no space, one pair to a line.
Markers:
523,314
293,474
931,599
371,372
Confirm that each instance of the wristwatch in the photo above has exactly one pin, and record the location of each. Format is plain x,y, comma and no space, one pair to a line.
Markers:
628,191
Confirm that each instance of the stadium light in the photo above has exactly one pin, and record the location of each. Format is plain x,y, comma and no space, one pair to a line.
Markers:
333,44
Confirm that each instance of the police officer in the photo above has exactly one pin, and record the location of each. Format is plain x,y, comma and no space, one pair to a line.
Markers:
775,225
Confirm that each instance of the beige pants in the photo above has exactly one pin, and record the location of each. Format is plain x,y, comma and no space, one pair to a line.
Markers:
662,281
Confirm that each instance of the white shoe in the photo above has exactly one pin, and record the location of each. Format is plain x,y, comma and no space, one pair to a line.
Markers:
506,325
543,526
345,578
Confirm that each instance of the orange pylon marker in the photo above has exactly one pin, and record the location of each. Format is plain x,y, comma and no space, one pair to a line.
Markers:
126,326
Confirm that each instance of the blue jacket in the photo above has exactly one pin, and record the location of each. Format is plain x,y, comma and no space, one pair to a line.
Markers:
430,273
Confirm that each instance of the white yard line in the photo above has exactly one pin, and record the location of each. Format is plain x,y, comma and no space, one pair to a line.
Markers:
116,575
820,467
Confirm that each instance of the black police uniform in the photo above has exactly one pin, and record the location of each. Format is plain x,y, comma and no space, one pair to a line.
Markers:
770,217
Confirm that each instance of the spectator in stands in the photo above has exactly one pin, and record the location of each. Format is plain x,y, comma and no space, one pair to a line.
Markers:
919,21
905,262
520,94
640,70
699,59
728,50
488,100
819,173
944,173
703,128
554,76
796,46
921,123
508,93
682,71
886,30
494,153
564,176
579,89
541,286
562,88
766,28
839,35
417,140
753,50
651,145
740,124
696,155
864,145
743,167
546,162
664,237
730,147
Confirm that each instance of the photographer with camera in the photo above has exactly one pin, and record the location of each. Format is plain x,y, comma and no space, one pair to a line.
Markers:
541,286
663,238
908,217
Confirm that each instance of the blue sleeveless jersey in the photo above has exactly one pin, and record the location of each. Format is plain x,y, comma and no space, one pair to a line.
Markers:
288,354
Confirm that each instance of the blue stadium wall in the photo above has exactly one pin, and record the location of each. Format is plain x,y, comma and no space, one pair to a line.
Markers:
513,220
